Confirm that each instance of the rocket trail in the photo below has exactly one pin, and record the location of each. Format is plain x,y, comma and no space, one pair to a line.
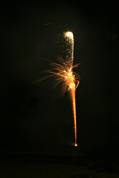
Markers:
73,98
69,38
64,74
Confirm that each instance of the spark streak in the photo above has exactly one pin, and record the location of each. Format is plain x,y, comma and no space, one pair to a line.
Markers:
64,74
72,92
71,80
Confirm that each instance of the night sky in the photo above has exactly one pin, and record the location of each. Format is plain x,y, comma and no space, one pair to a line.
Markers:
37,118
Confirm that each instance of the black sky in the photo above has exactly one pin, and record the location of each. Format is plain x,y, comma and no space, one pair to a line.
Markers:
36,118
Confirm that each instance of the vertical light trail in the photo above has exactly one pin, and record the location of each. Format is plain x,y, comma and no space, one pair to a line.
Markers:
73,98
69,38
63,73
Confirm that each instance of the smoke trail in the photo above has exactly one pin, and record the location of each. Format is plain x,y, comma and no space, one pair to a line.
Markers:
69,40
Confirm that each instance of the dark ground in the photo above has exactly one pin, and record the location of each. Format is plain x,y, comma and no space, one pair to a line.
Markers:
57,167
76,165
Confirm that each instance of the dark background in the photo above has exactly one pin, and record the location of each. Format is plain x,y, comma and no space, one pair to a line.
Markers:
37,119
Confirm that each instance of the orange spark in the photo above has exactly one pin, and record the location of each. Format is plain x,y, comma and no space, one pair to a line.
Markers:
64,74
72,92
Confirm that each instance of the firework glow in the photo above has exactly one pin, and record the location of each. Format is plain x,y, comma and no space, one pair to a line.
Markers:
71,80
65,75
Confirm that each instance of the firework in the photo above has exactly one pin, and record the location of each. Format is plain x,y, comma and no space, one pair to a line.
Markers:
65,75
71,80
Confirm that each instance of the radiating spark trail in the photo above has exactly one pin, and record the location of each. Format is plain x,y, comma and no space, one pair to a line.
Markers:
64,74
69,37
